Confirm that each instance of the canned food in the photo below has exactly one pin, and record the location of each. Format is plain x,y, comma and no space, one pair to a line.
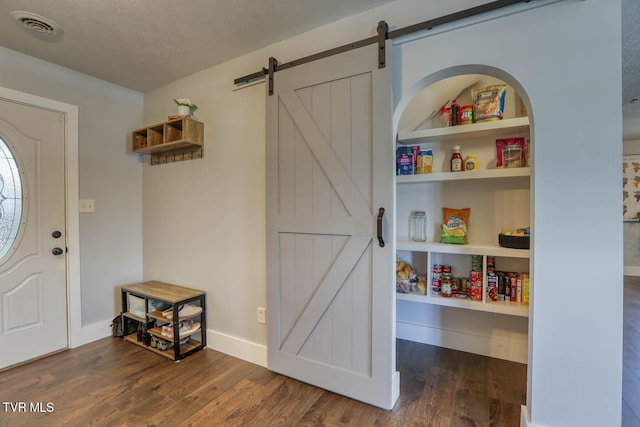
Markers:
463,285
456,285
437,270
475,291
445,286
435,286
476,262
446,269
491,263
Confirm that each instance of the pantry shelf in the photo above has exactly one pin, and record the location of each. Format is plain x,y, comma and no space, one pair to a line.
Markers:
500,307
456,176
403,244
503,127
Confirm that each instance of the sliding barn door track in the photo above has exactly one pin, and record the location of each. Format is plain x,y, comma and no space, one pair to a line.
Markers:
383,35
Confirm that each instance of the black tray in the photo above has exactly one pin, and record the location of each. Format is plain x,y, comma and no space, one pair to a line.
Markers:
514,242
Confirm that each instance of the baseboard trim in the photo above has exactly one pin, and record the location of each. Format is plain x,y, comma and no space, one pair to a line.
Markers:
525,418
631,271
500,348
237,347
96,331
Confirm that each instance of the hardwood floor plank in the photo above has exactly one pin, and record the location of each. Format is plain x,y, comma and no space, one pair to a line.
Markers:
113,383
287,404
471,395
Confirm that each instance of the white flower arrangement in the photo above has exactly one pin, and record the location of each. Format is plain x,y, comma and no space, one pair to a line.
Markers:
186,102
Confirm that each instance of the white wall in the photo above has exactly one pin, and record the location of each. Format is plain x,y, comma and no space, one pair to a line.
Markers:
110,238
631,229
204,219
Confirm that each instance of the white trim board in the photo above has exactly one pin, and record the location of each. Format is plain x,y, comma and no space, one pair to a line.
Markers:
237,347
96,331
525,418
74,302
499,348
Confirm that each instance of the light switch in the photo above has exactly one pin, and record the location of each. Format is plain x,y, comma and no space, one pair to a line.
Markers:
87,205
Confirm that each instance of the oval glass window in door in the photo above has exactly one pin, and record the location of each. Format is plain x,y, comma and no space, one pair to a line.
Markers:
10,201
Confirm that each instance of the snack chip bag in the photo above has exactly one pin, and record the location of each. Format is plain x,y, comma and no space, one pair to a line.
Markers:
455,225
488,102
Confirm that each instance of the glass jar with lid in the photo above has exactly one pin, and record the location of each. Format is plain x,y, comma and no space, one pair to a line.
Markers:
418,226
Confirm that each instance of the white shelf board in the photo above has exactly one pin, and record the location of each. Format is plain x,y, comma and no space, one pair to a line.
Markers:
500,307
403,244
501,173
519,125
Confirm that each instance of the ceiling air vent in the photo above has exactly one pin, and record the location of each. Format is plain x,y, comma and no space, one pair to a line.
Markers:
34,22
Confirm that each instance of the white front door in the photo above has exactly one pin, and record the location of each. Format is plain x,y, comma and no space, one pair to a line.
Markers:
33,289
330,167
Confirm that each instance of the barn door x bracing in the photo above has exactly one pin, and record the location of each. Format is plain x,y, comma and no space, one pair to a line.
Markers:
330,168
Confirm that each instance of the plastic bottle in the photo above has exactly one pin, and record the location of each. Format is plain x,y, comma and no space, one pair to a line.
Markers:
445,117
455,113
456,160
471,163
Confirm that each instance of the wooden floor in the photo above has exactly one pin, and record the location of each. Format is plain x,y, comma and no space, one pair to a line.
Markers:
113,383
631,353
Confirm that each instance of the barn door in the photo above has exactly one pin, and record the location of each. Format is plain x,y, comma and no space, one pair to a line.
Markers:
330,167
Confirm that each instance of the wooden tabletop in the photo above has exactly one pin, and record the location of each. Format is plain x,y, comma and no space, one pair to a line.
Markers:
162,291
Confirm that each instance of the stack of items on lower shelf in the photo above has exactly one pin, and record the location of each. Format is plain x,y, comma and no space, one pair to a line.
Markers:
147,333
445,284
186,327
500,285
506,285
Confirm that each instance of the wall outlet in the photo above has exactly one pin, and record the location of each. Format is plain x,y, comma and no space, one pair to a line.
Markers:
262,315
87,205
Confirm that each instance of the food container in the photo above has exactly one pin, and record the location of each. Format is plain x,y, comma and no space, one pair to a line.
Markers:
445,117
514,242
403,286
421,287
466,114
436,286
471,163
512,156
445,286
425,161
418,226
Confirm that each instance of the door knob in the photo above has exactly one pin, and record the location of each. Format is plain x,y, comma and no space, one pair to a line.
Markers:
57,251
56,234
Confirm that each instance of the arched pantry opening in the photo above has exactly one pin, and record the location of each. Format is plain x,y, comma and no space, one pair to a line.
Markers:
474,317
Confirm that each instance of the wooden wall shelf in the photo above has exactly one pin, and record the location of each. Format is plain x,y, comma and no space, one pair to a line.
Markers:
171,141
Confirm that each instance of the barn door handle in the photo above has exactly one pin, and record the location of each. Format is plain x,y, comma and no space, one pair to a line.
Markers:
380,239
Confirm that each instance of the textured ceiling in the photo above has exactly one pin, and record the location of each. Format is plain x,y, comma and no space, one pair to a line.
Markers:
143,44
